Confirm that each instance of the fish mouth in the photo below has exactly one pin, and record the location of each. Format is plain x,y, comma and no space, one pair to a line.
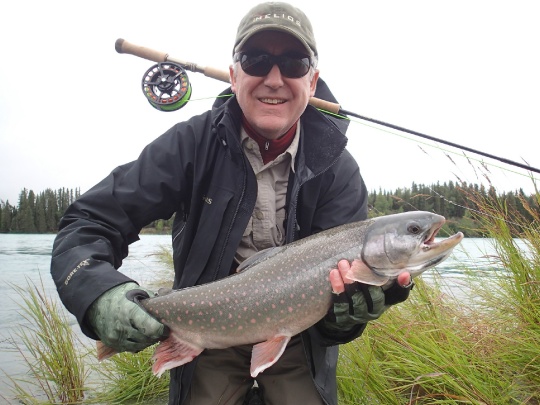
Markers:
430,238
434,252
448,243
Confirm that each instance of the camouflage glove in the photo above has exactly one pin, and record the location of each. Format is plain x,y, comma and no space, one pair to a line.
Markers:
121,324
360,304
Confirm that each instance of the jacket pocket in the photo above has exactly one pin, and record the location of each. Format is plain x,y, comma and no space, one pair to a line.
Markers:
214,207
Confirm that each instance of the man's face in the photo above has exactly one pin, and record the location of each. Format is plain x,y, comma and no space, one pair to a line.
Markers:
272,103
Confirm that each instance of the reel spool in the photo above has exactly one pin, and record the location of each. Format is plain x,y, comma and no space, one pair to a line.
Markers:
166,86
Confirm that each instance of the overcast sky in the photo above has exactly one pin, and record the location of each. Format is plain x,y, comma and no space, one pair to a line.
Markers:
72,108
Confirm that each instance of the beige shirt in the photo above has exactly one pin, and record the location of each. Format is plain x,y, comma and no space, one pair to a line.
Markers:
266,225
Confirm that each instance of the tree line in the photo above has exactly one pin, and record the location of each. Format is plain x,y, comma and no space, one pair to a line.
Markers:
36,213
454,200
40,213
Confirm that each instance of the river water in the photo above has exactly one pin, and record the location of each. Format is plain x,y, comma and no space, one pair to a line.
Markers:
25,259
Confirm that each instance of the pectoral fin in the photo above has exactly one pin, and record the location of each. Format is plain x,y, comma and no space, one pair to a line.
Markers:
173,352
360,272
267,353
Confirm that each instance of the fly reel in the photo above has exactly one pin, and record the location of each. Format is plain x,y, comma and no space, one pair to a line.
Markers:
166,86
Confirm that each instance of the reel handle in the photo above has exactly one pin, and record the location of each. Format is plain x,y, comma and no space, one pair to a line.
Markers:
123,46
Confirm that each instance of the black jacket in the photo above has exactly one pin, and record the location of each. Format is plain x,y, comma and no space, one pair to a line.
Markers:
198,171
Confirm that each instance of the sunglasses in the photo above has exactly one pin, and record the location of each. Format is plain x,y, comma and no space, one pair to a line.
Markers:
257,63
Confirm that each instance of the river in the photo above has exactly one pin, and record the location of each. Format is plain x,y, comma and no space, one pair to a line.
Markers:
26,258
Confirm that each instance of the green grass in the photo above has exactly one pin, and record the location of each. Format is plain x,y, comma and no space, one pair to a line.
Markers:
439,349
127,378
435,348
49,347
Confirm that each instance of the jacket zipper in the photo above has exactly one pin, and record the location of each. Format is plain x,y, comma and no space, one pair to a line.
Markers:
232,222
179,232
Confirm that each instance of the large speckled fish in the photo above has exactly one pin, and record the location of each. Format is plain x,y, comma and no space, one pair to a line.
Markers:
285,290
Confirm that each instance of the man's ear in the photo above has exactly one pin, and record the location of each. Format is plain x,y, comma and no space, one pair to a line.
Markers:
313,84
232,77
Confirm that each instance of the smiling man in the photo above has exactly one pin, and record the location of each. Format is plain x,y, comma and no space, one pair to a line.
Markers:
261,169
274,83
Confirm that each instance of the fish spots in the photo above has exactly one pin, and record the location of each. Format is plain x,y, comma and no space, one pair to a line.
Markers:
253,320
212,320
290,309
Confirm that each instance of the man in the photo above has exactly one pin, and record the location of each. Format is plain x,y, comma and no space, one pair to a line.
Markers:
260,169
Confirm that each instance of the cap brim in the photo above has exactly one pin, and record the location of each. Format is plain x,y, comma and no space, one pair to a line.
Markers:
273,27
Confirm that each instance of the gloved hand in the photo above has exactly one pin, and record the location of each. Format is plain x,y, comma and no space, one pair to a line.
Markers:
356,303
121,324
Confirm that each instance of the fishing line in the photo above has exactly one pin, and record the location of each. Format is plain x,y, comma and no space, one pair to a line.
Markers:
455,145
169,90
377,127
432,138
345,115
482,213
478,212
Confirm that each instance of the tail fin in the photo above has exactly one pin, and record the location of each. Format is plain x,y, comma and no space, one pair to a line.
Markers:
104,351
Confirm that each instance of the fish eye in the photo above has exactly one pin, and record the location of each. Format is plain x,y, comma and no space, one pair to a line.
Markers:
415,229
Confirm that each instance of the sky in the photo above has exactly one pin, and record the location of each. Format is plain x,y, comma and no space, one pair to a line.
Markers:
72,108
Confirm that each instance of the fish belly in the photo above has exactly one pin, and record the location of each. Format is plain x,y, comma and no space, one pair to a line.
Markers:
264,305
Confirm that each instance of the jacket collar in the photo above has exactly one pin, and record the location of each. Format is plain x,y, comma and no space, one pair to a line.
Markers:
322,137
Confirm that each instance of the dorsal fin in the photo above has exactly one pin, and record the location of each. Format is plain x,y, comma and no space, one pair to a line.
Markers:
259,257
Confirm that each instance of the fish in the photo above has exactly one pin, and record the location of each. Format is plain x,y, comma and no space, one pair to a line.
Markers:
283,291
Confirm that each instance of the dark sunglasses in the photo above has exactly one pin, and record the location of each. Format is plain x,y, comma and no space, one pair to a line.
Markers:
256,63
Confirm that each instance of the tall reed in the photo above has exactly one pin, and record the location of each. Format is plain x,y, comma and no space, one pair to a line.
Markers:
127,378
481,348
50,348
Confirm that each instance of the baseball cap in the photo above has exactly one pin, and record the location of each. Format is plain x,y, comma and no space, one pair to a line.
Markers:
276,16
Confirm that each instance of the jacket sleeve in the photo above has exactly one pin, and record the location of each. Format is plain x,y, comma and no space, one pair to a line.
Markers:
96,230
342,199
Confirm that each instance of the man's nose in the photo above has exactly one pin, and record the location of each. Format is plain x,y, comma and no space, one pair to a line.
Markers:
273,78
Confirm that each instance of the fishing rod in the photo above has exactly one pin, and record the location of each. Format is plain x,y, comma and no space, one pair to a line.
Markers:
167,88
